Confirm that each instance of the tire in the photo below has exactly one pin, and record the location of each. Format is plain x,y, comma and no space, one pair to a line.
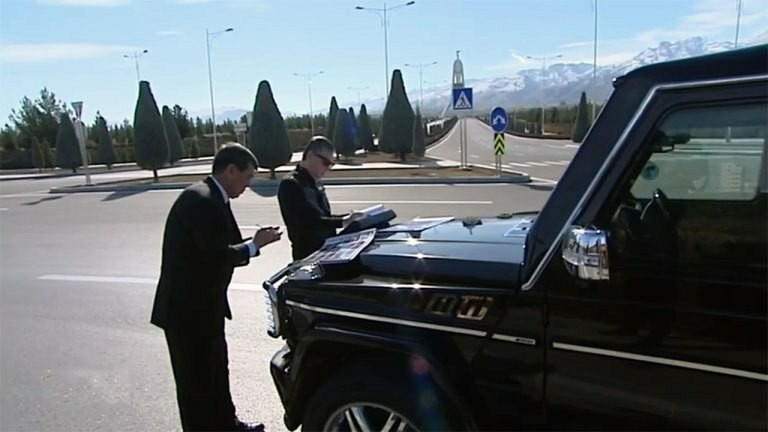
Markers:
383,399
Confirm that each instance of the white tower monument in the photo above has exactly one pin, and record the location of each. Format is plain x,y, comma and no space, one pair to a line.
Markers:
458,72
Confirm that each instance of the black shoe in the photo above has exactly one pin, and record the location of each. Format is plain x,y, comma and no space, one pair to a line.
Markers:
248,427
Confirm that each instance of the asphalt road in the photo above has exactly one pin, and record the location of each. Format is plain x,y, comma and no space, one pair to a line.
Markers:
77,275
540,158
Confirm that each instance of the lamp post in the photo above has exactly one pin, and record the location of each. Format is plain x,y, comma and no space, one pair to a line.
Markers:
421,67
382,12
308,77
358,90
738,22
208,37
82,138
543,70
135,56
594,67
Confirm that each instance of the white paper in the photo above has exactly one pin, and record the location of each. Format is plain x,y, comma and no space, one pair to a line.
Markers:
342,248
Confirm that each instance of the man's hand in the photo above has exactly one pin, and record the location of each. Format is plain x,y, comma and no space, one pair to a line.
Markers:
265,236
352,217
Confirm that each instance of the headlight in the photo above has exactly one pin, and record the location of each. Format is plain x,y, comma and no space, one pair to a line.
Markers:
273,293
273,316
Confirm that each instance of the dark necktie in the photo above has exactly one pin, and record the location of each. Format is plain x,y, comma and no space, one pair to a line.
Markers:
231,220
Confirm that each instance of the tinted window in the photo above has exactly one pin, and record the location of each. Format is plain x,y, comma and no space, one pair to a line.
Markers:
711,153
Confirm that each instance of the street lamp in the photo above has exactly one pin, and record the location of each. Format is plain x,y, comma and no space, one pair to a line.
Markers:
543,70
382,13
135,56
594,67
358,90
309,76
738,22
208,37
421,66
81,132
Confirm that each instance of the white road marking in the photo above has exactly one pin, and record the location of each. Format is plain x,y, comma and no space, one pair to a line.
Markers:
3,209
445,138
573,145
26,195
412,202
353,186
518,164
249,227
131,280
475,156
543,180
557,162
537,164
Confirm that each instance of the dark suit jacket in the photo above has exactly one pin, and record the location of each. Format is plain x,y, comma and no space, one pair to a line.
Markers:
201,247
306,212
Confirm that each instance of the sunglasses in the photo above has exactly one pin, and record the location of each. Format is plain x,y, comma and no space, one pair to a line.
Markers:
327,162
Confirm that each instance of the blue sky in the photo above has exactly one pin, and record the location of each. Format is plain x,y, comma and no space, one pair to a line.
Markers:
76,47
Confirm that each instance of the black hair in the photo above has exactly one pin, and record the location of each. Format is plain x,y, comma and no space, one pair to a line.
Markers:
236,154
317,144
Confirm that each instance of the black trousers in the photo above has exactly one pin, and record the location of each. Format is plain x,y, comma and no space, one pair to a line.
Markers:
201,370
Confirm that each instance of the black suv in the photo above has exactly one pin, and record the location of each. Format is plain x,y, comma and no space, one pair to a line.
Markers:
635,299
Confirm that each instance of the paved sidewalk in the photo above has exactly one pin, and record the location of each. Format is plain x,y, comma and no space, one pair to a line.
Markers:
22,174
203,166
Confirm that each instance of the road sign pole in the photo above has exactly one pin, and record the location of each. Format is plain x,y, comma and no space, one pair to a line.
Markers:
462,101
82,135
461,142
466,156
499,120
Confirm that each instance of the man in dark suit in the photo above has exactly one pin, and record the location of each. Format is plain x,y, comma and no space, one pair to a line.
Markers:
202,245
304,204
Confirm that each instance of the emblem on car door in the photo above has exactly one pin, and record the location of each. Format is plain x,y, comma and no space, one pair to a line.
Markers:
474,307
469,307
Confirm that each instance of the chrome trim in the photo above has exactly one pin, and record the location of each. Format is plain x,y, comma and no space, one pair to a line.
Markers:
387,320
612,155
515,339
662,361
274,328
585,253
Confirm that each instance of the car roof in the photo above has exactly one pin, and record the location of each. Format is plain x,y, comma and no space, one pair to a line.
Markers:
738,62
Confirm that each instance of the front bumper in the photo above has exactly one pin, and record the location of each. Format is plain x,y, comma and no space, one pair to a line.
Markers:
280,369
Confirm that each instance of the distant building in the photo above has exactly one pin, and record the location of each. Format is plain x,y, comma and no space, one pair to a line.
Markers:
458,72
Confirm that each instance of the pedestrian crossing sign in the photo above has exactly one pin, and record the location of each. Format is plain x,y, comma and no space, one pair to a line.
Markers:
498,144
462,98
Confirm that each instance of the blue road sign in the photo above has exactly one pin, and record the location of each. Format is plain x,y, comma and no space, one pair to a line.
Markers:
462,98
499,119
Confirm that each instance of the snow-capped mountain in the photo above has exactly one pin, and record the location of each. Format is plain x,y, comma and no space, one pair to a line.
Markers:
762,38
228,113
562,82
667,51
222,114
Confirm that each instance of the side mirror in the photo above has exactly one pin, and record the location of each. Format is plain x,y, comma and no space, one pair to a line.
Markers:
585,253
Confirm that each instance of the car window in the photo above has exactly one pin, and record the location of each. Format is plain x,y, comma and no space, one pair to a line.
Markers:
707,153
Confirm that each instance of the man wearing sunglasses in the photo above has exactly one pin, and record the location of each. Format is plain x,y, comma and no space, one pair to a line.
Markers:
304,204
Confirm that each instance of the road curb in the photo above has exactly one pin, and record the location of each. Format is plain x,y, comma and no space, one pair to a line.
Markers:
259,184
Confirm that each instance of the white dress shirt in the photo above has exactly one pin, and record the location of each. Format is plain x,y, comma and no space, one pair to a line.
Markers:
252,248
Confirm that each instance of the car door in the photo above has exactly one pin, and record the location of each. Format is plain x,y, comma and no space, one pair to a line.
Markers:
661,320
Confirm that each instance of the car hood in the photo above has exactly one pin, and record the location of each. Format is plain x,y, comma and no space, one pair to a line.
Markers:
484,251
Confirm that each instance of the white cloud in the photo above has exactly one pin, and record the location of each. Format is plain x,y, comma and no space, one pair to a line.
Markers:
42,53
190,2
711,19
98,3
170,33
